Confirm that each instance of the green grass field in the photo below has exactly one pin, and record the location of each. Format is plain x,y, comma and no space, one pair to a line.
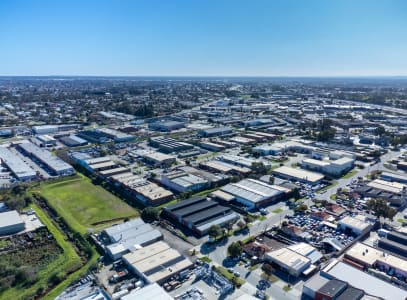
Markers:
84,205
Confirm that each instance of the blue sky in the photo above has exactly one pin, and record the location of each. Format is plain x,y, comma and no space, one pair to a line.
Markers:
205,38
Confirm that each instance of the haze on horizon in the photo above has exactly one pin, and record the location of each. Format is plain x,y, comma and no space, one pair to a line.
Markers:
203,38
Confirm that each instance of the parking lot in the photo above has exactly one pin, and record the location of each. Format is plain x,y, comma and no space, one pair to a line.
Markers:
319,230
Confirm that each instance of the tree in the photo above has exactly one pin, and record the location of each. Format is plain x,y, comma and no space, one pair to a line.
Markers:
301,208
150,214
259,169
215,231
379,130
380,208
268,269
235,249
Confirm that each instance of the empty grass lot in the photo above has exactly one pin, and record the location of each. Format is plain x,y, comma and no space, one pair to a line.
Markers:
84,205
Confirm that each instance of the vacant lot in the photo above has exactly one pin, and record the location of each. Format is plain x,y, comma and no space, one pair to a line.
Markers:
51,259
84,205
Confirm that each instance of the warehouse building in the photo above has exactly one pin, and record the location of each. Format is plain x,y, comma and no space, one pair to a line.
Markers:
46,140
242,161
129,236
157,262
357,225
149,292
182,182
94,136
269,149
169,145
389,176
290,261
11,223
395,242
53,164
16,165
393,192
45,129
218,166
199,214
158,159
370,257
298,175
336,167
212,146
370,284
254,193
166,126
217,131
115,135
142,190
73,141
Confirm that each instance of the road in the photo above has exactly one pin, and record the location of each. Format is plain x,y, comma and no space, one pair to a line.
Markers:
343,182
218,254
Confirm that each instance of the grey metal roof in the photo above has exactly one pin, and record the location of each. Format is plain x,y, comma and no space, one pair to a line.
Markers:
251,190
184,203
200,216
16,165
53,162
150,292
10,218
370,284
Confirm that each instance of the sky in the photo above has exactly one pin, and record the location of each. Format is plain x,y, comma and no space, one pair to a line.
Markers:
203,37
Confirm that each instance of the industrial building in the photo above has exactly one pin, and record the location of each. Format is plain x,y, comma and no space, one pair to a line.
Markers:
218,166
393,192
254,193
181,181
212,146
115,135
242,161
166,126
357,225
199,214
217,131
144,191
369,257
395,242
370,284
169,145
11,223
157,262
46,140
158,159
267,149
290,261
149,292
73,141
298,175
94,136
16,165
389,176
128,236
53,164
336,167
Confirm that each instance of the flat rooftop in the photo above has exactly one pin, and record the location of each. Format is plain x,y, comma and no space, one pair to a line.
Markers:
370,284
149,292
10,218
391,187
251,190
370,256
299,174
289,258
16,165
